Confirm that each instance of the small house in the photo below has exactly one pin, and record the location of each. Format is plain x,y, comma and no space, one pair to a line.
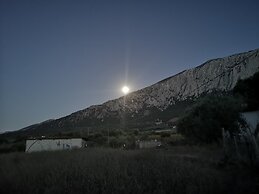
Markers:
148,144
54,144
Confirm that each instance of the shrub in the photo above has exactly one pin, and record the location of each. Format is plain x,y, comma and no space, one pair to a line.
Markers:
119,171
165,134
116,142
248,90
205,120
115,132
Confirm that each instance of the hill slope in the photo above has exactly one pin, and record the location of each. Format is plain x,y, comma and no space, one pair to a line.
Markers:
165,99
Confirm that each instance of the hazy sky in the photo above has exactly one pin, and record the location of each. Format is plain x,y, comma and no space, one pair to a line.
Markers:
60,56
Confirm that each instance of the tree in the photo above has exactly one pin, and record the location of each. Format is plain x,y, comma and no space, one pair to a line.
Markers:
247,89
204,122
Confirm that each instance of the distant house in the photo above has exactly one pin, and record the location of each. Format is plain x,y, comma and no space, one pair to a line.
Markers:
172,122
158,122
148,144
52,144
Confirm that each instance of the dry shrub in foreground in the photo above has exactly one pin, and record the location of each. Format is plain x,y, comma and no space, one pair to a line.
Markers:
111,171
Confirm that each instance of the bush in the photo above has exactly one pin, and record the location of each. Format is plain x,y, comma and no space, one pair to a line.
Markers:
205,120
98,138
248,90
165,134
116,142
115,133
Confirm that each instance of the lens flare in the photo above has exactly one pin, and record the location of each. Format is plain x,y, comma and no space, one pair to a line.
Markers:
125,89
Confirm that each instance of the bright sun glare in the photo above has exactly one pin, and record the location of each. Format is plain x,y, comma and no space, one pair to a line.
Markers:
125,89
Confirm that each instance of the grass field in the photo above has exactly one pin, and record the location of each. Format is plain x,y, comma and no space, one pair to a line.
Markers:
180,169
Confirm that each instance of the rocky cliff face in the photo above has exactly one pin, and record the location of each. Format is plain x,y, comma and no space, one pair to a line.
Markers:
218,74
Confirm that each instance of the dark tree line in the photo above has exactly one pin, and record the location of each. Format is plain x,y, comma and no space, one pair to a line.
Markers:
248,91
205,120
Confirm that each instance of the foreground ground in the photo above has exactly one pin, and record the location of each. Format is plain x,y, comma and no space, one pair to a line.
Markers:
180,169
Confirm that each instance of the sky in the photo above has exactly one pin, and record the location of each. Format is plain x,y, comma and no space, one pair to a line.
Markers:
61,56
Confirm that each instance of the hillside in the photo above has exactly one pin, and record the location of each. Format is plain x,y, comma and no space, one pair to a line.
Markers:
164,100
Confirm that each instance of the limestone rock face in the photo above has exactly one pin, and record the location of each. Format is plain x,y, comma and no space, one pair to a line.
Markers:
218,74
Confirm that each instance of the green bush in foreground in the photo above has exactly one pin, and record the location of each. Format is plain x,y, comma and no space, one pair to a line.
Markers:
205,120
247,89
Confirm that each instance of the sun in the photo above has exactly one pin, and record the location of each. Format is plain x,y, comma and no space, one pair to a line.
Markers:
125,89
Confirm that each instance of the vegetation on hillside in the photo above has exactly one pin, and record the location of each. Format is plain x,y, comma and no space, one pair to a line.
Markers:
248,90
176,168
205,120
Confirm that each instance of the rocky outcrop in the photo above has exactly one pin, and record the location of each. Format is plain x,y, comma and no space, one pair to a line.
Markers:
219,74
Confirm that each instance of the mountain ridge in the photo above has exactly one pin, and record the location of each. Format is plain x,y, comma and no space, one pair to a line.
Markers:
220,74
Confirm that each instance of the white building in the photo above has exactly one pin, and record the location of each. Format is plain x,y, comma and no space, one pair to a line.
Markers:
52,144
252,119
148,144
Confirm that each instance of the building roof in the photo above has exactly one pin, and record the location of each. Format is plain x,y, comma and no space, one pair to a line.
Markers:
43,138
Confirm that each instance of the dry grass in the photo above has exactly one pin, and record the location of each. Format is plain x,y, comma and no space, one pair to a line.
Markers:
177,170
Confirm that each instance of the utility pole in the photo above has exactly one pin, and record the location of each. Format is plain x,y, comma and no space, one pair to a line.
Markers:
108,137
